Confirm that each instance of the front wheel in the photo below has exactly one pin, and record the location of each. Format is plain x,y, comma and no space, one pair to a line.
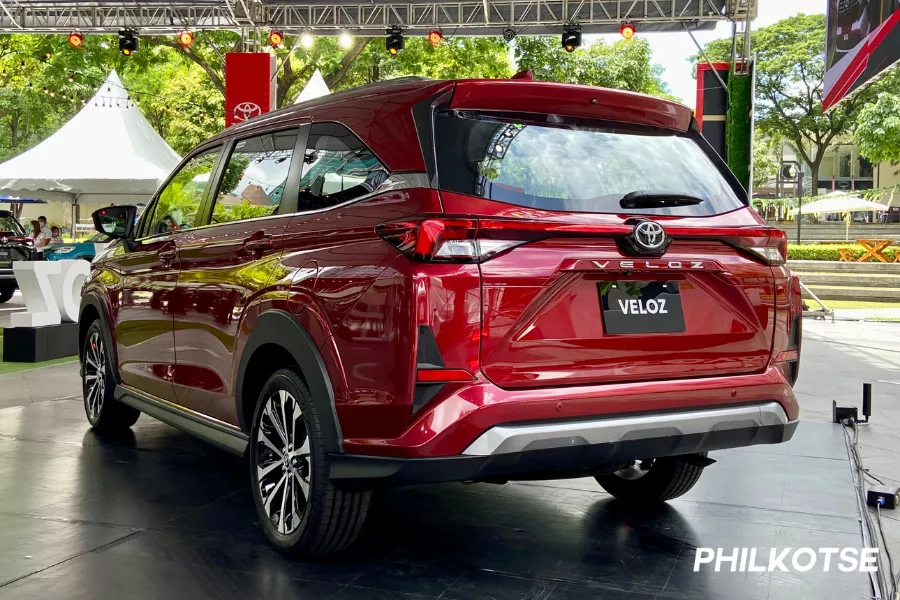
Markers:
98,383
652,481
300,510
6,293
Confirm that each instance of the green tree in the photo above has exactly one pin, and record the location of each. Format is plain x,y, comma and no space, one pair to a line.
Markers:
790,64
877,132
624,64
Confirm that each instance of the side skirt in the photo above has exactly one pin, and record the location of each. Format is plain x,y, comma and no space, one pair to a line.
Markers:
209,430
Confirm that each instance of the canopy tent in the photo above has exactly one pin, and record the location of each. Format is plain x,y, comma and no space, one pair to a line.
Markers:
315,88
839,202
107,153
842,203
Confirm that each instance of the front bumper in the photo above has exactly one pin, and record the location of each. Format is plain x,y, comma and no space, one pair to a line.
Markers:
575,448
7,274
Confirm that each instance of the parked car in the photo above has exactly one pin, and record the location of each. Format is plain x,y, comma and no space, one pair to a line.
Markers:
83,250
15,244
429,281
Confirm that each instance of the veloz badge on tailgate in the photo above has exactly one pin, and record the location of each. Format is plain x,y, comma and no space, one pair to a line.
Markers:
641,307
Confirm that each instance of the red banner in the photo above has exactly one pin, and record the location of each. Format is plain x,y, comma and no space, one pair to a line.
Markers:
249,85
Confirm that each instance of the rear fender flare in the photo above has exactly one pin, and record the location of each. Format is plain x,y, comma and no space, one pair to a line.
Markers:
282,329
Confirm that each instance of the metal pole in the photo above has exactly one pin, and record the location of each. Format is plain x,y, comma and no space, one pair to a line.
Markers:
799,202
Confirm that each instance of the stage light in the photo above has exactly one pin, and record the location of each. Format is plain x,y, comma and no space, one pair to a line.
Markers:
571,39
76,40
276,38
128,43
394,42
509,34
307,40
627,30
435,37
345,40
186,38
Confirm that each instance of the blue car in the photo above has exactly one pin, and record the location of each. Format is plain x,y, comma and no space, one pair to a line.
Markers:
84,250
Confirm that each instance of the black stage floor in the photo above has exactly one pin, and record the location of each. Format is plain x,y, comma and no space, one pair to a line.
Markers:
159,515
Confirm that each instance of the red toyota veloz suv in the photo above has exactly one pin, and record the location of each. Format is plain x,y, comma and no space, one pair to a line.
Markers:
423,281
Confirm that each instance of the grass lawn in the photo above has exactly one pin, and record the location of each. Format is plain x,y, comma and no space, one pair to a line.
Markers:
851,304
15,367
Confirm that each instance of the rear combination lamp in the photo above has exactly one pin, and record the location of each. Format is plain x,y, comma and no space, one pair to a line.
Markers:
445,240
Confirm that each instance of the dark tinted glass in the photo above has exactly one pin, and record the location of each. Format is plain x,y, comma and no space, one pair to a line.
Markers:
178,203
573,168
254,179
337,168
8,224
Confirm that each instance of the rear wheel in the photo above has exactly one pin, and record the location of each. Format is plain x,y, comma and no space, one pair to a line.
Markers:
6,293
652,481
300,510
103,411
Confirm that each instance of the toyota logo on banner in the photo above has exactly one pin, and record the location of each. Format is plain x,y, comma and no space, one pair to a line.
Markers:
246,110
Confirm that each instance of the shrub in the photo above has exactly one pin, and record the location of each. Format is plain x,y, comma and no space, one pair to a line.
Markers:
830,251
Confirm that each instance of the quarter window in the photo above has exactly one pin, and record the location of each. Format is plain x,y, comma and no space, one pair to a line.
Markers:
178,203
337,168
253,181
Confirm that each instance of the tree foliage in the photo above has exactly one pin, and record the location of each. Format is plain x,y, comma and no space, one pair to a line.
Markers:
878,129
181,91
624,64
790,65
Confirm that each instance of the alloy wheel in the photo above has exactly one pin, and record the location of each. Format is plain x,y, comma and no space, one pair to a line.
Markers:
94,376
284,462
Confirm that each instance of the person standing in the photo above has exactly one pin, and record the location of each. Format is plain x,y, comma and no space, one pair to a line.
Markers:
43,237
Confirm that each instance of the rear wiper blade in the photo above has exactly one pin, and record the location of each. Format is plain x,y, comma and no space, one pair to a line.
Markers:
653,199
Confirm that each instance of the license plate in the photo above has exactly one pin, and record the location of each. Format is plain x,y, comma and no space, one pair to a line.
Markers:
641,307
4,254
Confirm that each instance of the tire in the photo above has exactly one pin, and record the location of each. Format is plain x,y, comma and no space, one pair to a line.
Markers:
665,479
329,519
6,293
98,383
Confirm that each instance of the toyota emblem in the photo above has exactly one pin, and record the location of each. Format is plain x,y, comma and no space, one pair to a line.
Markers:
649,236
4,240
246,110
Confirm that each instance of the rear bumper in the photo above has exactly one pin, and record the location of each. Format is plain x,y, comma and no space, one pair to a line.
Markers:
450,423
575,448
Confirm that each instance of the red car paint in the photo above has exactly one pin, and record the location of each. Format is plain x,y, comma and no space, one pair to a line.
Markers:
520,334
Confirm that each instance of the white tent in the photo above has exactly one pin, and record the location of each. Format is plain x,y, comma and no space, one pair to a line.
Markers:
107,153
315,88
839,202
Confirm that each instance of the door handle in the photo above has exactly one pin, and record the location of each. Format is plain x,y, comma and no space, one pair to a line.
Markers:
258,243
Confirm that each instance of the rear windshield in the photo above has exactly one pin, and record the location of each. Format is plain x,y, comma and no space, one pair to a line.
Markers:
9,224
573,168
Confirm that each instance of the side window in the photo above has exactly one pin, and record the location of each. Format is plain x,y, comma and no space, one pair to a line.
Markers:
254,178
180,200
337,168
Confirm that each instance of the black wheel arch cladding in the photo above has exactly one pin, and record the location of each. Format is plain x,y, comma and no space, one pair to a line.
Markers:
282,329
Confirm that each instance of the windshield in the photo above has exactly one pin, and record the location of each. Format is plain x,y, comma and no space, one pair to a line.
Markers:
574,169
9,224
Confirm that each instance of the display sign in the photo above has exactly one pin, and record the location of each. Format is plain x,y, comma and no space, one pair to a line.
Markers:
51,290
862,39
249,85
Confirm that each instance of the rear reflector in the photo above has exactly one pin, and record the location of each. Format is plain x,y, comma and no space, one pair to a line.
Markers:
443,375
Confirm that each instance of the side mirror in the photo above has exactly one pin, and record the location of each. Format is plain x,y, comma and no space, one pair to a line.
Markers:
115,221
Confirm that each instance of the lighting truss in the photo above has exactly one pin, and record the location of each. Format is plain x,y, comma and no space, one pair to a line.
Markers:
328,17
